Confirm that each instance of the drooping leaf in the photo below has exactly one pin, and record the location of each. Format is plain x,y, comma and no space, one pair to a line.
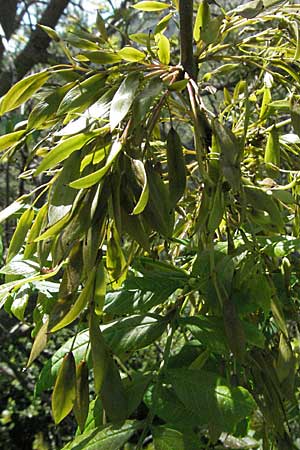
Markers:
49,372
123,99
139,169
100,288
176,167
20,233
81,404
64,392
79,305
95,177
39,344
100,355
113,394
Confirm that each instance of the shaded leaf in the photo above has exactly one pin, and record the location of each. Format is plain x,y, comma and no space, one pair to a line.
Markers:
64,392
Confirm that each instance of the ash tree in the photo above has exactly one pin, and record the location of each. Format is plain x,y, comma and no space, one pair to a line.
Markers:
165,233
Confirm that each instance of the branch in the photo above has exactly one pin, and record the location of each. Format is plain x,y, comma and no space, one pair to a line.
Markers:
186,37
35,50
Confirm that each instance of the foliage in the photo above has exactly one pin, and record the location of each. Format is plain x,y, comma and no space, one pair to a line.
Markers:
169,219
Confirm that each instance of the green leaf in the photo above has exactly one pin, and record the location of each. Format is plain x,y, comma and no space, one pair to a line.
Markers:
10,139
100,355
151,6
11,209
209,330
82,95
163,48
111,437
202,19
211,400
123,99
169,439
144,100
250,9
140,294
22,91
100,57
46,110
100,23
64,392
20,233
113,394
135,389
143,200
79,305
230,152
20,301
51,33
100,288
64,149
279,246
81,404
131,54
39,344
295,115
163,23
79,347
95,177
176,167
132,333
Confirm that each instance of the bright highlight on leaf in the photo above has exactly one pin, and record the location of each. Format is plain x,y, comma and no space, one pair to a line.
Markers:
151,6
123,99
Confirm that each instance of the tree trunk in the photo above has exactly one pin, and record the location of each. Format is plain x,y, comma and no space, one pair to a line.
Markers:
186,37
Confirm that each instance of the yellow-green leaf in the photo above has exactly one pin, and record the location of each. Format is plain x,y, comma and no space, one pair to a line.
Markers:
20,233
79,305
64,392
202,19
64,149
22,91
95,177
10,139
39,344
100,288
151,6
131,54
143,200
163,49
